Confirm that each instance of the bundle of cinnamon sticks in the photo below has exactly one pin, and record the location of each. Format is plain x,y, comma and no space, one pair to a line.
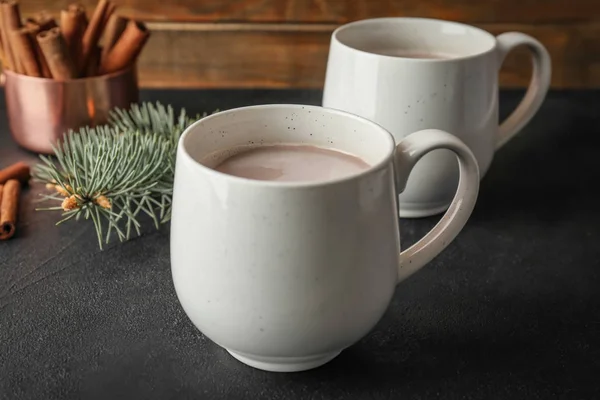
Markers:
11,179
77,47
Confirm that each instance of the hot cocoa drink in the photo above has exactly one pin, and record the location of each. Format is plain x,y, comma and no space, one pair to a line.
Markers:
291,163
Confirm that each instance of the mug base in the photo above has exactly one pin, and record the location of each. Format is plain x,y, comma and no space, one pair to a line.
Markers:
416,211
284,364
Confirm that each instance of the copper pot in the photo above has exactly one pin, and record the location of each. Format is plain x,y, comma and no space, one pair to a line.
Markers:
41,110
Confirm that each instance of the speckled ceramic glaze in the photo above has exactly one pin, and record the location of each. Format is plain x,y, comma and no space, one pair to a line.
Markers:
458,94
286,275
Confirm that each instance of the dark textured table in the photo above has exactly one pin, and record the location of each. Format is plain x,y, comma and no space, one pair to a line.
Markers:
511,310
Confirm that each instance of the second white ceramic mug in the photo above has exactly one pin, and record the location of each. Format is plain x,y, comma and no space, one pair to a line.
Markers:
458,94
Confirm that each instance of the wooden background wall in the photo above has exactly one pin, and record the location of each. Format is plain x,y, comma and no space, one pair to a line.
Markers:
284,43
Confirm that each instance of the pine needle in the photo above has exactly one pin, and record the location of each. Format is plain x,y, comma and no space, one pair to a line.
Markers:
110,174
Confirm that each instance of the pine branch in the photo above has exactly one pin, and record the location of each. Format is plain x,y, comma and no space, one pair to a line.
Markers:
114,174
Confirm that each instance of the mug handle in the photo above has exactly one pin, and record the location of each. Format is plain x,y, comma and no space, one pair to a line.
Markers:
538,87
408,152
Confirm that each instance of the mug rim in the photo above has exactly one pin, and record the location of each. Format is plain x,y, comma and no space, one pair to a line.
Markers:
380,164
400,20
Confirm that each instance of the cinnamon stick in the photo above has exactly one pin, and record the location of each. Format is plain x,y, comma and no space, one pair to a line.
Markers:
19,171
25,51
33,31
72,24
112,7
127,48
12,14
10,19
57,55
93,32
3,59
8,208
31,23
77,6
45,21
94,63
112,32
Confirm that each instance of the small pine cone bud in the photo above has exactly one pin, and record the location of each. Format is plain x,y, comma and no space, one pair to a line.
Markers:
69,203
62,190
50,186
103,202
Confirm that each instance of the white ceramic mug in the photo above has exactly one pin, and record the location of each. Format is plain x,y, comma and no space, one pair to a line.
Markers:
458,94
285,275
